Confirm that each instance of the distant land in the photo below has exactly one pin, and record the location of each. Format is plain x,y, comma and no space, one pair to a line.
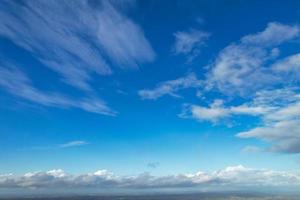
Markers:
199,196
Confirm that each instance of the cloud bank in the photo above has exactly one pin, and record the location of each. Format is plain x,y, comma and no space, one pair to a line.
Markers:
234,176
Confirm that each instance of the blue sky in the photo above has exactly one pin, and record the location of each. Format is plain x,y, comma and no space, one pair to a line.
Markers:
162,88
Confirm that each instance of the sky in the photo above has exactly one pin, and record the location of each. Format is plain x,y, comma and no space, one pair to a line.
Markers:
149,95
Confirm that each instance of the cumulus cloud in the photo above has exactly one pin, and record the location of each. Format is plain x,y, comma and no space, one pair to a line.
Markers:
18,84
190,42
171,87
243,67
75,38
235,176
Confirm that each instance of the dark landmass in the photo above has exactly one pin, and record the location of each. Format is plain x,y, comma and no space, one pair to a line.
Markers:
202,196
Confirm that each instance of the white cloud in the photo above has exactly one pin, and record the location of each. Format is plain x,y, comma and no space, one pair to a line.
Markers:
276,97
250,68
73,38
171,87
242,67
260,177
277,109
291,111
274,34
18,84
190,42
283,135
250,110
74,144
238,69
289,66
281,126
233,177
216,111
122,39
212,113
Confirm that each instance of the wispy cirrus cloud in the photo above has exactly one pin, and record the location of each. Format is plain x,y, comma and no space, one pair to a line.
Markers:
122,39
231,177
171,87
251,149
74,143
18,84
75,38
66,145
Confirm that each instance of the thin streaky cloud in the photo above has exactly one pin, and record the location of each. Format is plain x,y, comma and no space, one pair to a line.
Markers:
74,143
18,84
122,39
251,149
171,87
75,39
70,144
